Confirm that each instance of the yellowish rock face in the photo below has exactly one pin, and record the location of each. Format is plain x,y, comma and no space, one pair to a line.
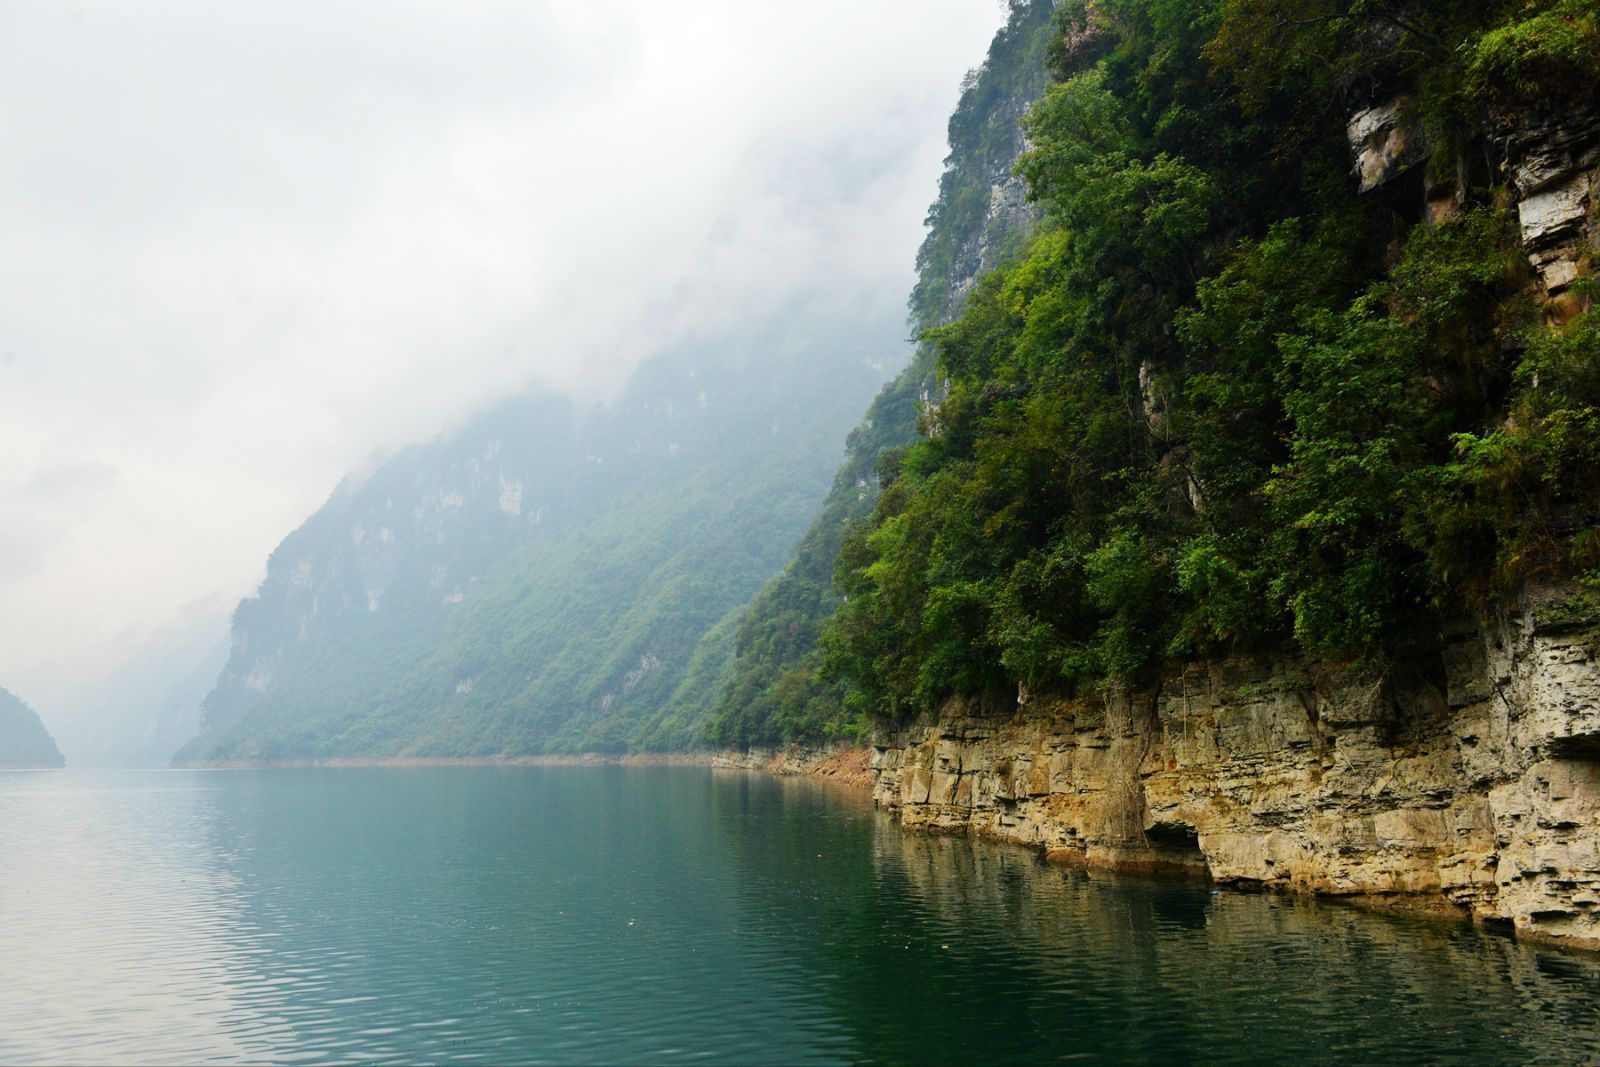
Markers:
1469,782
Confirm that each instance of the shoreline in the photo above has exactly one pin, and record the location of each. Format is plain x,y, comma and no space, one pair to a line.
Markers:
848,766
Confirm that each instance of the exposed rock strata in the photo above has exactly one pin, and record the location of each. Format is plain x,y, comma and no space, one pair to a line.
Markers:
851,765
1469,781
1553,162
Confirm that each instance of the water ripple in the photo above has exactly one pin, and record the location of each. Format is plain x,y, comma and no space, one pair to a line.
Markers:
664,915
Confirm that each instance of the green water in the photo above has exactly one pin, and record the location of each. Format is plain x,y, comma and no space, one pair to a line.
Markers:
662,915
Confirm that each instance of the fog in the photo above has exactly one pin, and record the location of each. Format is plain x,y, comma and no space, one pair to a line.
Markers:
243,247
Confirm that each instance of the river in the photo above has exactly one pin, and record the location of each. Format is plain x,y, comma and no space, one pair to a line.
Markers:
679,914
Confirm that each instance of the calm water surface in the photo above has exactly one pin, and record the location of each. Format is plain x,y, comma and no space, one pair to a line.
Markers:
658,915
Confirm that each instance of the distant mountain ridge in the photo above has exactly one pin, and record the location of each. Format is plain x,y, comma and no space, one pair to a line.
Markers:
543,580
24,741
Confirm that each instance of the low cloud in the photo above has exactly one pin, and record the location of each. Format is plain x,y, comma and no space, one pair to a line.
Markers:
69,482
243,246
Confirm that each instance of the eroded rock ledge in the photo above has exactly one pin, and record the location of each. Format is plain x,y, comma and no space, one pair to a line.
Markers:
1465,781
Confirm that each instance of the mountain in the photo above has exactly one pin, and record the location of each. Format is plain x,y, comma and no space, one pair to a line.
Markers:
24,742
543,579
981,219
566,584
169,720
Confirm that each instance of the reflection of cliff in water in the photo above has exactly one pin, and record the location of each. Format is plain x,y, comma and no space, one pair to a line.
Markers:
1089,963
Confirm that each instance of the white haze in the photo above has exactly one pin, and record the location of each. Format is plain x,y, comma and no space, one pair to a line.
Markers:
242,246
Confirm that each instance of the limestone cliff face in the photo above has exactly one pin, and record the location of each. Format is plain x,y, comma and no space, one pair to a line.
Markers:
1468,781
983,214
1553,161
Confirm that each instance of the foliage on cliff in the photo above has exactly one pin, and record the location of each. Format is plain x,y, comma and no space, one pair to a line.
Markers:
1223,399
775,692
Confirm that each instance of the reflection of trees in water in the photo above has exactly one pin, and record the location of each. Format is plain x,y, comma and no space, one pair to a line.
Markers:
1090,962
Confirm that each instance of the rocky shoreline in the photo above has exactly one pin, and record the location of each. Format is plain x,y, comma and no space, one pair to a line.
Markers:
1467,782
849,765
1258,774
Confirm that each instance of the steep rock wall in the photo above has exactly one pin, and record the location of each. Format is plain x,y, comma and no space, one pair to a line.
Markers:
1466,781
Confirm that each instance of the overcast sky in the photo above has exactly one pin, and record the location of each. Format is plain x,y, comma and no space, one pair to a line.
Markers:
244,245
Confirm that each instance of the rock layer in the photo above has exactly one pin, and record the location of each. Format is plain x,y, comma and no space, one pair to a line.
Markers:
1552,161
1467,780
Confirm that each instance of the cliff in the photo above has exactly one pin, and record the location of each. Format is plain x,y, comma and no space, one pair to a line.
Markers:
1432,756
1467,781
24,741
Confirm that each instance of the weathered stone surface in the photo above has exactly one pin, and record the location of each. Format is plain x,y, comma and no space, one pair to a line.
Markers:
1465,782
1551,162
1554,212
1383,142
1543,149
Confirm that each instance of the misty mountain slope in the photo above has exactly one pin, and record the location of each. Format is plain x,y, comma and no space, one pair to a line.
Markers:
980,219
544,581
175,717
142,711
24,742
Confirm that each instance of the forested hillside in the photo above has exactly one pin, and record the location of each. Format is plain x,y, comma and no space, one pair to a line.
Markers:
1302,352
544,579
980,219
